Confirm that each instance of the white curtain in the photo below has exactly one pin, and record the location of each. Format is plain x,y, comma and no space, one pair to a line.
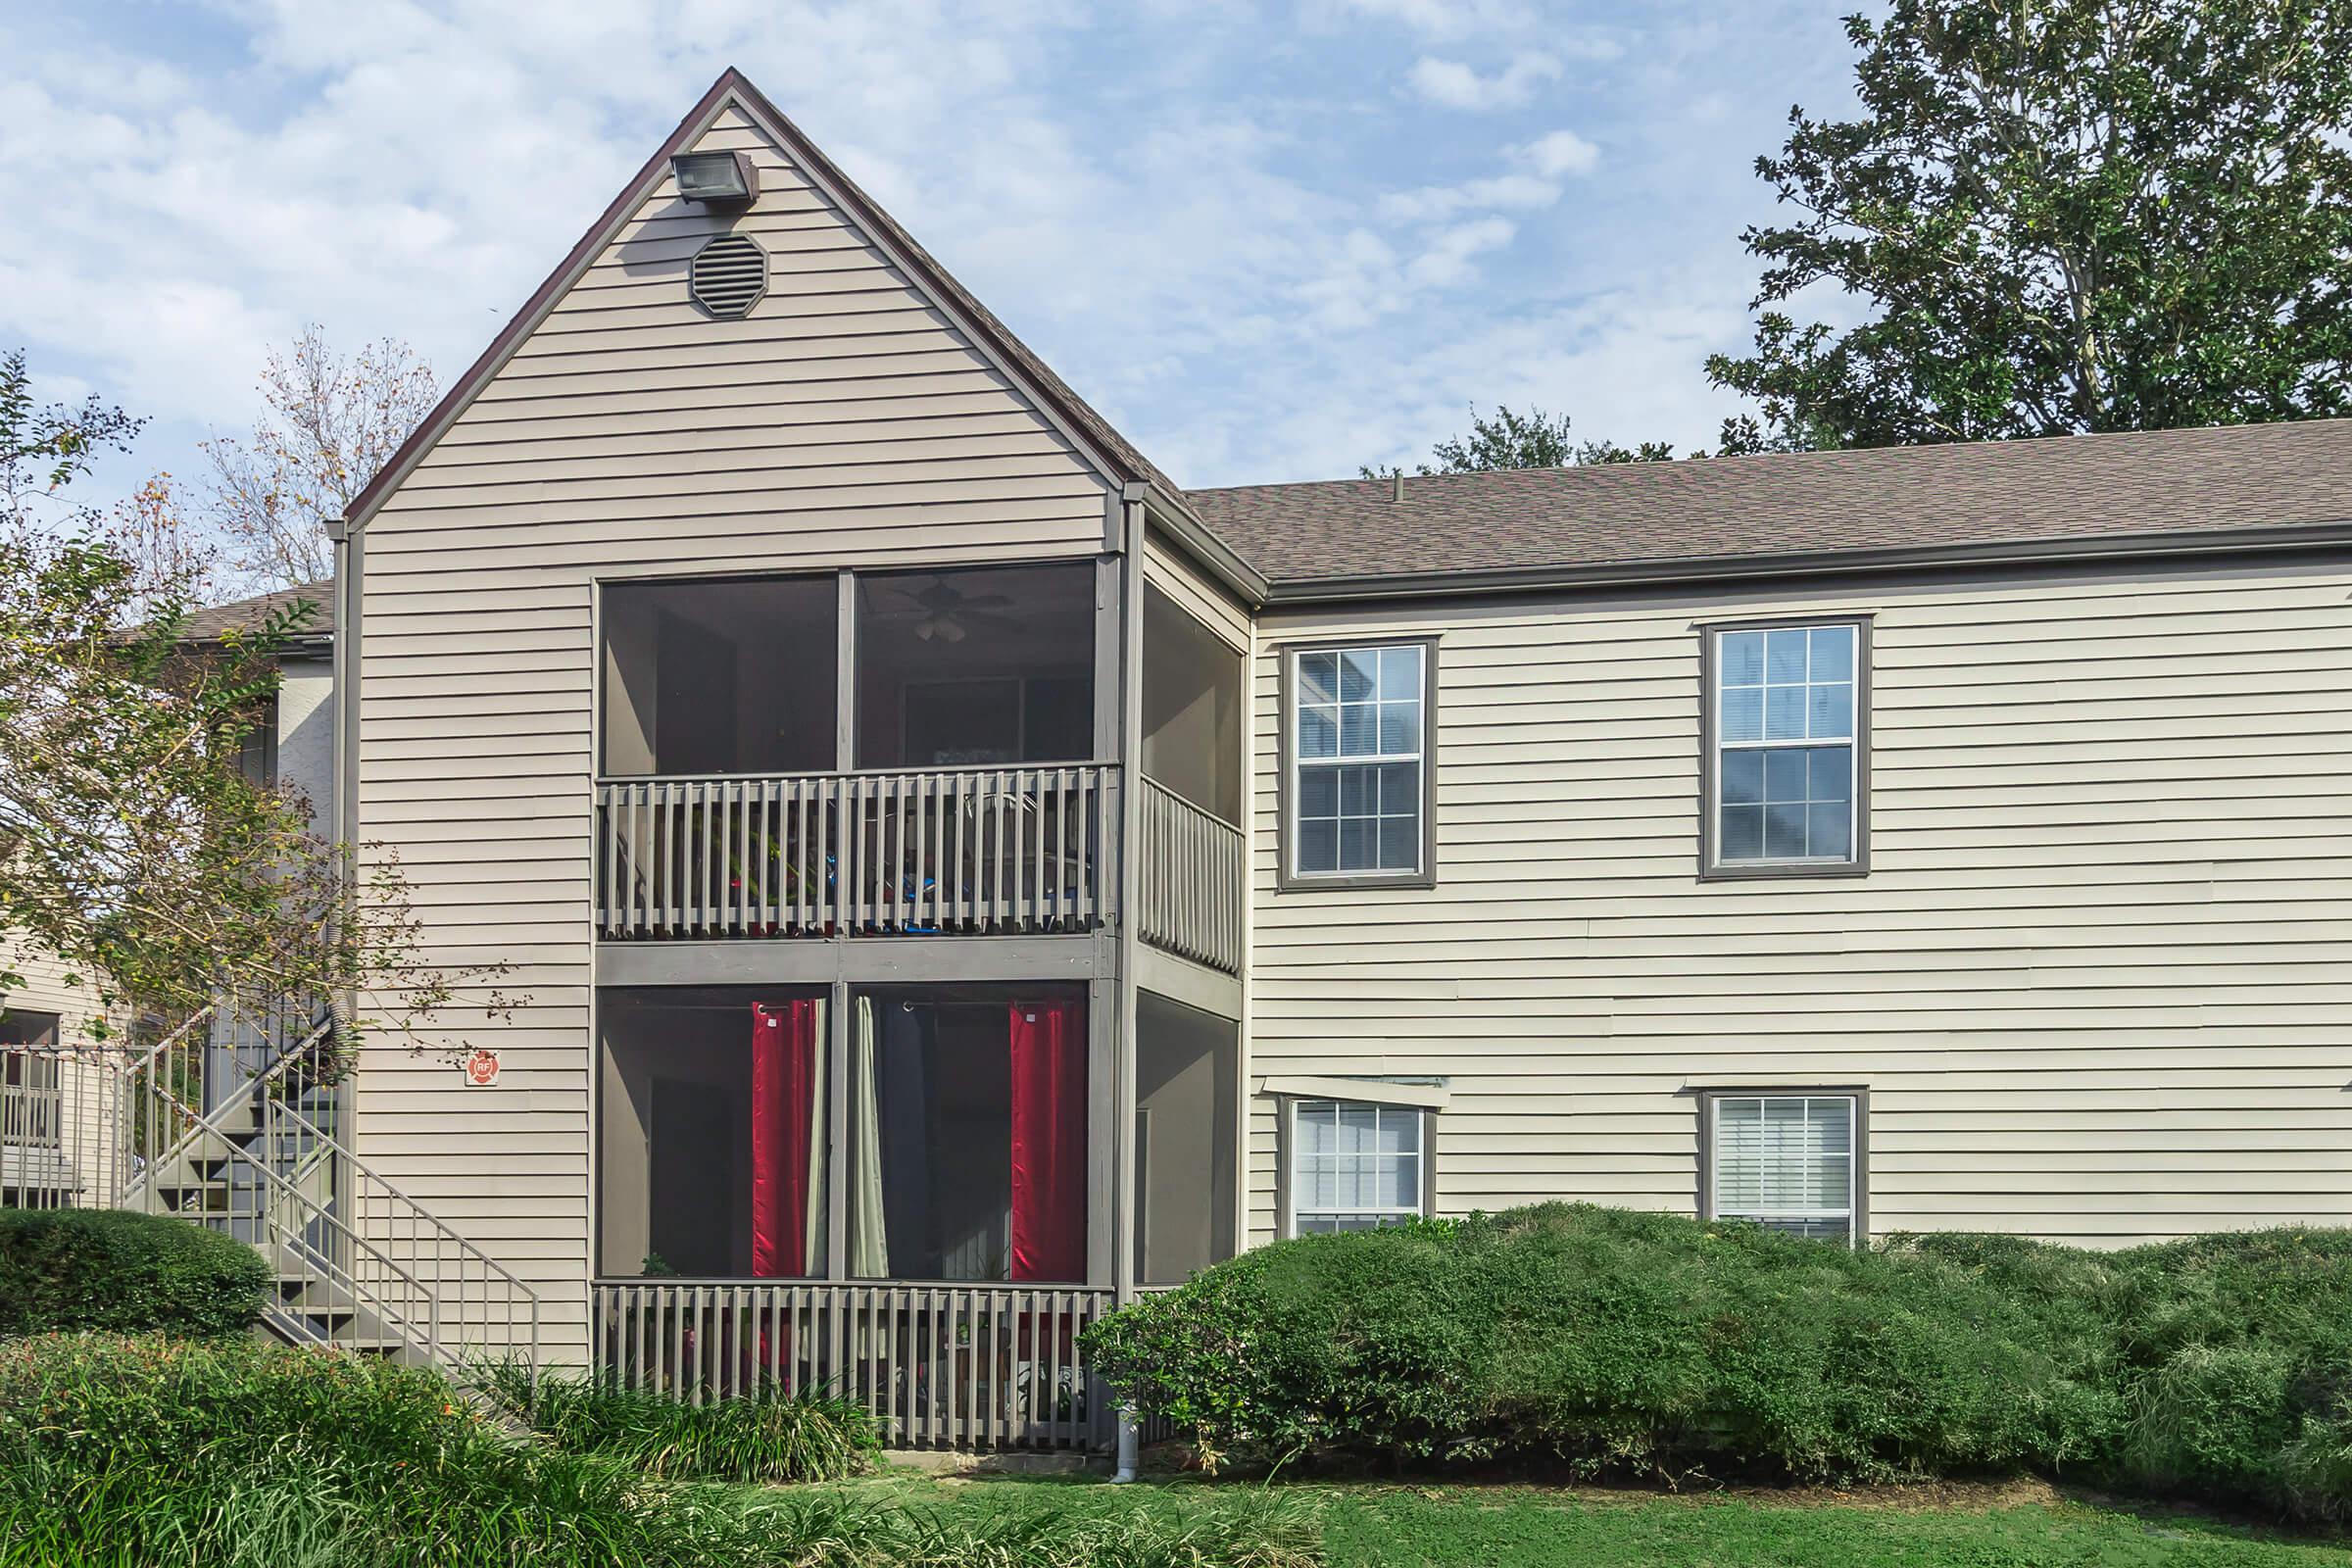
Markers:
869,1246
819,1099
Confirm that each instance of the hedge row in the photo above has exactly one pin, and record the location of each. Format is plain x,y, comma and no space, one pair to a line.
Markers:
1631,1343
113,1271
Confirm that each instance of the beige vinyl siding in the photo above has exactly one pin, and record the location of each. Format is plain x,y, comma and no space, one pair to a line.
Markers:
844,421
2096,981
1167,569
86,1094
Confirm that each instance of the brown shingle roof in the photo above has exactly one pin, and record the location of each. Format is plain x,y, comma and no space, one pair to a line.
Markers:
1896,498
205,625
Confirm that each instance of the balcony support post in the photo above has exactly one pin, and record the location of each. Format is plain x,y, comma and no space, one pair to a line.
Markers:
1130,870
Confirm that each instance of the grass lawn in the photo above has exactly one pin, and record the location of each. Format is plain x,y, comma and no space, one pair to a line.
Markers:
1368,1526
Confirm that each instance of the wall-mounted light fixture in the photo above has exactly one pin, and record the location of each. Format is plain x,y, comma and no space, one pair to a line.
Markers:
716,179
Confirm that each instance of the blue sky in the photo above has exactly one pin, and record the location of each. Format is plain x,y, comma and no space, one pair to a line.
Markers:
1270,242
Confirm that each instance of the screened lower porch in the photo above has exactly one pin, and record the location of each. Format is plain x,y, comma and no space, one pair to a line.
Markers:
901,1193
883,1192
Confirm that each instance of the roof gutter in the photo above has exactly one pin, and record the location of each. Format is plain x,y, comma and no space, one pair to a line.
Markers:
1245,582
1675,569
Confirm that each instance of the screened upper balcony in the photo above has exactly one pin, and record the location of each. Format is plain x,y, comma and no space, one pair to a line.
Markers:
849,754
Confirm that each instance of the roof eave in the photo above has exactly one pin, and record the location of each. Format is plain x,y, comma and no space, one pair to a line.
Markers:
1212,554
1667,570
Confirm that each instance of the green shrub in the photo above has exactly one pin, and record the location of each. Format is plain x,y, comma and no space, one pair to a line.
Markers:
777,1437
2219,1366
113,1271
1617,1341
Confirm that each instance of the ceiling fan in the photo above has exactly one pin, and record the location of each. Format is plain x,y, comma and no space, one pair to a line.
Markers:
944,612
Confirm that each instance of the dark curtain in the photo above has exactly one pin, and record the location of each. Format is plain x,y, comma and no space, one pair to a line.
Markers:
908,1037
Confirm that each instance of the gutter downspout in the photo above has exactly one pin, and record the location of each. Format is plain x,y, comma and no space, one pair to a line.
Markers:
350,553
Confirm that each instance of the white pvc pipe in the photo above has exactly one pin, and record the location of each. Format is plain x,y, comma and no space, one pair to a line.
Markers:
1129,1445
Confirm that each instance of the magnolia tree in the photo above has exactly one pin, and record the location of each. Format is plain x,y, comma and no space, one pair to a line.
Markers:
1530,440
133,846
2072,216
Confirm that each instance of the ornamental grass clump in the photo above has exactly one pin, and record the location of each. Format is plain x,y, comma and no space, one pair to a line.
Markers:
771,1437
135,1453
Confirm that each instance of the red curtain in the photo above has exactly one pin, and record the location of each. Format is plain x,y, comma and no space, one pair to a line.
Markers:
1048,1140
784,1049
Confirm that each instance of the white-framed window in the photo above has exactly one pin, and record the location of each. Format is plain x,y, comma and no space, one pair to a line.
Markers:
1359,785
1787,725
1356,1166
1790,1162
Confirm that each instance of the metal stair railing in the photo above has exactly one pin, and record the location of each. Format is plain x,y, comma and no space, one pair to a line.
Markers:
162,1117
470,1295
352,1295
361,1248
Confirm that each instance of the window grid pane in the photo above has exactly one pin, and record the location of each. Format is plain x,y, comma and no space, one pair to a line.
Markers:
1356,1166
1357,778
1787,1162
1786,744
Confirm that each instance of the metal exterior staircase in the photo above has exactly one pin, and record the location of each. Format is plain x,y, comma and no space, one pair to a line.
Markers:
232,1122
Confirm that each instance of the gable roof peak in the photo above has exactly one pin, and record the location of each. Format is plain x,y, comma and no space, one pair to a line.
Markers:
1078,420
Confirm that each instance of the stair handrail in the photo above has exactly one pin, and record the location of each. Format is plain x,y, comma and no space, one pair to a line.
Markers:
425,1330
130,1071
412,1212
204,1123
424,1334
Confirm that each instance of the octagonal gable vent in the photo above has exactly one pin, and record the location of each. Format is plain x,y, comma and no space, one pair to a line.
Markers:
728,276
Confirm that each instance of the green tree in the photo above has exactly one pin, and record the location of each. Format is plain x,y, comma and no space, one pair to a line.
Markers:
2064,216
1530,440
132,845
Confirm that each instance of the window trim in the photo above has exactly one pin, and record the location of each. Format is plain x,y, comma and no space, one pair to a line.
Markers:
50,1037
1286,1187
1286,789
1709,786
1859,1231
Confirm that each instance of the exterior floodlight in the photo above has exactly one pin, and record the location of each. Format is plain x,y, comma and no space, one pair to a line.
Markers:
716,179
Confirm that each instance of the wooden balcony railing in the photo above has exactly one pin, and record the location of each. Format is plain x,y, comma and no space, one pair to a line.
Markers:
1192,880
971,850
31,1114
941,1366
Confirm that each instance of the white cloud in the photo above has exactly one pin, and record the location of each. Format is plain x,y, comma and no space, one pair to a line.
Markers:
1197,216
1448,19
1455,85
1447,261
1564,152
1535,183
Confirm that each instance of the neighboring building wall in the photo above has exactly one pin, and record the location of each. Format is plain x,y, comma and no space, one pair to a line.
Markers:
87,1090
843,422
306,734
2096,980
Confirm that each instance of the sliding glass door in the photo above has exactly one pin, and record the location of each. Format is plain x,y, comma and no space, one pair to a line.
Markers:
967,1137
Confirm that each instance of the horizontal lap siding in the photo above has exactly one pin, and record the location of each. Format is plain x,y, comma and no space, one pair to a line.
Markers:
2096,981
843,422
1194,591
